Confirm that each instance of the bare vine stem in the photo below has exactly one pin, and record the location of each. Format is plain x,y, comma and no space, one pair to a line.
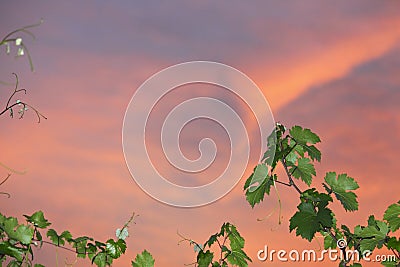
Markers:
9,38
24,105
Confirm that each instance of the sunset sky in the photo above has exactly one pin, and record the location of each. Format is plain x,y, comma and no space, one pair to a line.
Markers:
332,67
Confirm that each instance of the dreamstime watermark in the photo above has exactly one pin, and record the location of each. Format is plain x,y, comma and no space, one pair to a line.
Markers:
152,91
310,255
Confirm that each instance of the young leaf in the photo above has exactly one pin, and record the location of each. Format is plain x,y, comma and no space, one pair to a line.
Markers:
198,247
304,170
54,237
392,216
38,220
204,259
122,234
340,187
143,260
304,136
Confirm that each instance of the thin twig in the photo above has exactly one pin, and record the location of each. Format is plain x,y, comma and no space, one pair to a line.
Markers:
279,182
8,176
291,181
9,107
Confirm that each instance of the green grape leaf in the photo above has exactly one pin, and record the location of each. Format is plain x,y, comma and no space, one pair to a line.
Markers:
236,240
390,263
329,242
212,240
14,263
52,234
392,216
307,221
237,256
292,157
24,234
91,251
21,233
204,259
304,170
145,259
371,220
393,243
80,248
38,265
115,249
59,240
373,236
102,259
313,152
259,175
256,196
39,238
304,136
10,224
356,264
234,254
273,153
6,248
316,197
66,235
340,187
122,234
38,220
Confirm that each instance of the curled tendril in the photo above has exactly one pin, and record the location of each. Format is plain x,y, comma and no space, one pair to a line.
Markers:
22,48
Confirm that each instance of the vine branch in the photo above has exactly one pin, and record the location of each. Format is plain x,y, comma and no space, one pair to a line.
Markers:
24,105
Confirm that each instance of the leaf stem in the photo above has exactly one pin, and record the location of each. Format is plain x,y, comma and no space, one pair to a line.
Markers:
291,181
280,182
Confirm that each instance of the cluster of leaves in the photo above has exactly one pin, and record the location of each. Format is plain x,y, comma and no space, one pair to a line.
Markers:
18,241
375,235
295,149
230,245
